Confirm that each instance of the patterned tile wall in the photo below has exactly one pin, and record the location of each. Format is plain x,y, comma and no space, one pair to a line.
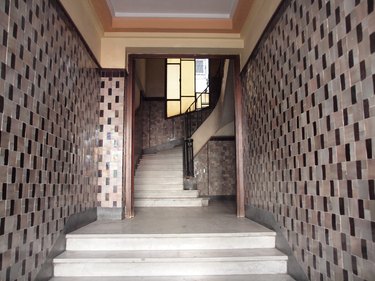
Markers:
49,105
310,134
201,171
156,129
111,122
215,168
138,134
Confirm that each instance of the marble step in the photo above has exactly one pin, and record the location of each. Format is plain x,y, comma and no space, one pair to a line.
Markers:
161,161
162,167
158,187
170,202
247,277
185,241
158,174
166,193
170,263
164,156
158,181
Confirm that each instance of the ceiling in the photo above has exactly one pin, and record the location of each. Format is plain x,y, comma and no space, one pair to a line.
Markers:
215,9
214,16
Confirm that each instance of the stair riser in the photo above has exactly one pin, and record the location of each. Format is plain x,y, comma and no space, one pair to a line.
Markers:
169,243
158,174
155,187
163,156
166,194
192,202
161,162
146,167
158,181
131,268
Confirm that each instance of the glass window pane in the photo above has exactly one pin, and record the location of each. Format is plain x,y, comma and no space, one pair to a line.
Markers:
173,60
199,102
173,108
185,103
201,74
187,78
173,81
205,99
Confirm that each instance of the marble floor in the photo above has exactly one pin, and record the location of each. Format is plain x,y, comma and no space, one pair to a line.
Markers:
218,217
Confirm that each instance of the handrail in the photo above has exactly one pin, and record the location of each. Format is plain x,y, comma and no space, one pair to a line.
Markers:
217,75
196,99
188,154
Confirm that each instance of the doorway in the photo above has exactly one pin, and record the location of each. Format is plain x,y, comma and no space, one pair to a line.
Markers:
130,129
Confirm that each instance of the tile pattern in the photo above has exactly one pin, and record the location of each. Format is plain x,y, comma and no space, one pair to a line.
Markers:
215,168
49,105
201,170
110,150
158,130
222,167
310,134
138,133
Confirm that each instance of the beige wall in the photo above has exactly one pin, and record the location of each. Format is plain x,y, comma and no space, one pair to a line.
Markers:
111,48
87,25
155,77
257,20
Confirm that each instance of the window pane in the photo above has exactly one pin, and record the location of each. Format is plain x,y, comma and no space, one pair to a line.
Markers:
187,78
173,60
185,103
173,81
201,74
173,108
199,102
205,99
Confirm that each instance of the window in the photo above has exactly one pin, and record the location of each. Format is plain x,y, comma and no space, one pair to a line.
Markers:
187,78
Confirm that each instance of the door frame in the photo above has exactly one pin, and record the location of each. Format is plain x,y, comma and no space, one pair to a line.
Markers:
129,127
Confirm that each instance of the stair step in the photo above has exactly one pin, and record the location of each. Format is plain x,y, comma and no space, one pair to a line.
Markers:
166,193
247,277
160,156
170,202
160,161
170,263
158,181
161,167
158,174
193,241
158,187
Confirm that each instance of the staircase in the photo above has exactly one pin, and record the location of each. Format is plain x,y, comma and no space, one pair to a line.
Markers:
166,256
158,182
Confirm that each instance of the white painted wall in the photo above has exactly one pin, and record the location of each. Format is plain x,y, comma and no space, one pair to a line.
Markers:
223,113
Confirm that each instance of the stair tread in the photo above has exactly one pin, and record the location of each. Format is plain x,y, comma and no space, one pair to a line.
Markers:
176,198
172,255
173,235
247,277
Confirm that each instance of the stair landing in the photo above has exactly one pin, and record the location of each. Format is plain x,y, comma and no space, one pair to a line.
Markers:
165,244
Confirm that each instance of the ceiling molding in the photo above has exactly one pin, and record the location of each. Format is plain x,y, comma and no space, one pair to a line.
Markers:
168,23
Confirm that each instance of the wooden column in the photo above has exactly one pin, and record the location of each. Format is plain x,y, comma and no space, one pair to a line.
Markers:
239,139
128,153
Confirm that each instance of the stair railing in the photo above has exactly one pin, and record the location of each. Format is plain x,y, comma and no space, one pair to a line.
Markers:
194,117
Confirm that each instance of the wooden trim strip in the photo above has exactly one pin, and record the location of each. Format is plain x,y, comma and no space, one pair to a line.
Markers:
128,153
223,138
239,140
113,72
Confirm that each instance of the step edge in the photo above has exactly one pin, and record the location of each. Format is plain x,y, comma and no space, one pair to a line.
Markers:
174,235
